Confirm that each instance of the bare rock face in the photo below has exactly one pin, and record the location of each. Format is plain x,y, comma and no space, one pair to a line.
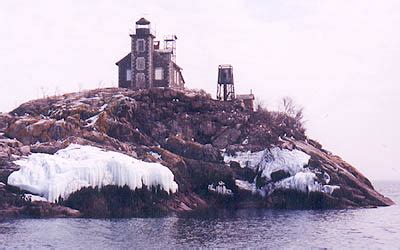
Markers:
31,130
192,150
5,121
229,136
10,150
40,209
279,175
186,131
14,204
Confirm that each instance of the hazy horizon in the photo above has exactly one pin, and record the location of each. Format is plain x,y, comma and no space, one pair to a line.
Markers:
337,59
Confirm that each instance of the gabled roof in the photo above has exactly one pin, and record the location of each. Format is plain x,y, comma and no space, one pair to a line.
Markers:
179,70
127,57
143,21
176,65
180,73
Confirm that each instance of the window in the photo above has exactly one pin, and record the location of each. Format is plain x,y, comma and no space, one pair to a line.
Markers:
159,73
140,45
128,74
140,80
140,63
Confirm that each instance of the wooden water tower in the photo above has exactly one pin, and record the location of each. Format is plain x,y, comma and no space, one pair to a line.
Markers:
225,88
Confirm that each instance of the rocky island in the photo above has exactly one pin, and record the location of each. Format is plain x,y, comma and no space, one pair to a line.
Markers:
117,152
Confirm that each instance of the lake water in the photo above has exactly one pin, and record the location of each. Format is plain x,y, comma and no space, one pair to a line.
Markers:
358,228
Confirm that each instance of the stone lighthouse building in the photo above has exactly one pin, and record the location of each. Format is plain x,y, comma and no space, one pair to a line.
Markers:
148,65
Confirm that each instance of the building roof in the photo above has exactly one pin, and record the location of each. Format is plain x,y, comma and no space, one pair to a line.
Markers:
163,51
127,57
143,21
180,73
245,97
176,65
224,66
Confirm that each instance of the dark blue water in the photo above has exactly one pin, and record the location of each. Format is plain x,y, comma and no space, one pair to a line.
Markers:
361,228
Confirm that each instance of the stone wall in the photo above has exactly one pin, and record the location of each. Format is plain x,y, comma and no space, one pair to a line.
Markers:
162,60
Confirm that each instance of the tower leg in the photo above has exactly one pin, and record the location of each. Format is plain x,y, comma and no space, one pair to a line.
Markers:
225,92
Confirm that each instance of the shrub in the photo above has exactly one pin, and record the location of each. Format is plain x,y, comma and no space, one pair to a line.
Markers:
291,109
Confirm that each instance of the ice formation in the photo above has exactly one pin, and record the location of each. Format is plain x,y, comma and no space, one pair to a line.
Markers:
293,162
31,197
269,161
102,108
77,166
92,120
329,188
245,159
302,181
156,155
220,188
245,185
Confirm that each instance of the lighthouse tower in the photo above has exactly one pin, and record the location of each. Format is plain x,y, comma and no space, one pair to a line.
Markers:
142,55
147,65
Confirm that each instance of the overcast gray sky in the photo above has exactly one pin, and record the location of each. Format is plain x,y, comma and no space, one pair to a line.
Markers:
337,58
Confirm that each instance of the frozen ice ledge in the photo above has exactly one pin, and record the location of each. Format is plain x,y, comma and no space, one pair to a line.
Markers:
77,166
292,164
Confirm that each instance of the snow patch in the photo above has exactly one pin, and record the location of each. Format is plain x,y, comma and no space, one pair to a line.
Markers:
77,166
156,155
88,99
102,108
92,120
118,96
327,178
245,159
32,198
329,188
220,188
290,161
245,185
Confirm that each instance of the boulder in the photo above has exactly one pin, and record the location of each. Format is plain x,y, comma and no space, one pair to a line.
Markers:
192,150
32,130
48,147
279,175
227,137
5,121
